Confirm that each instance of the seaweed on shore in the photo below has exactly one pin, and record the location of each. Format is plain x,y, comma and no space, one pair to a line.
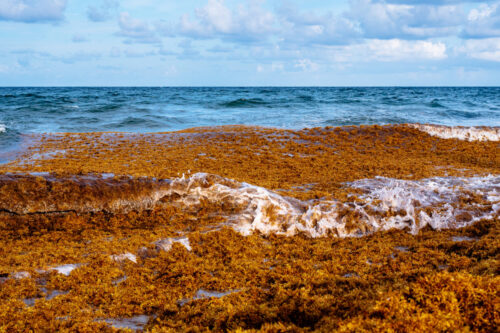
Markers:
164,268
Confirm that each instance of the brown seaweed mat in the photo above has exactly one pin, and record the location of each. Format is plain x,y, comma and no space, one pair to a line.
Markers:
92,240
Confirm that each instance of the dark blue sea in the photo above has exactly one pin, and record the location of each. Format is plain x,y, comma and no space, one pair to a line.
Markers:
80,109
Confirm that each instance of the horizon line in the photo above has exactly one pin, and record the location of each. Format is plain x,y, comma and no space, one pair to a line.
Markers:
253,86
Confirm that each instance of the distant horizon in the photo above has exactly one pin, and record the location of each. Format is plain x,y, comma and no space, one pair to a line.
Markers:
263,86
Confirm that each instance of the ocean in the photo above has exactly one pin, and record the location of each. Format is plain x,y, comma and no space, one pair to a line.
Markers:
81,109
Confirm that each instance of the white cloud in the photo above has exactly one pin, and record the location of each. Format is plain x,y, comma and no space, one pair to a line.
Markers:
370,19
32,10
389,50
396,49
311,28
408,21
483,21
483,49
216,20
217,16
484,11
275,66
136,30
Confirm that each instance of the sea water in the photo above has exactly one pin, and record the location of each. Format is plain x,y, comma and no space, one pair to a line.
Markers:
133,109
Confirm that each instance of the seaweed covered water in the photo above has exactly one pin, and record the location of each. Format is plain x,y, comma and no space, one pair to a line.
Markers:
84,109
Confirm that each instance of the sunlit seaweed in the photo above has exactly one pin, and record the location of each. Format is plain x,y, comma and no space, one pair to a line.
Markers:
444,280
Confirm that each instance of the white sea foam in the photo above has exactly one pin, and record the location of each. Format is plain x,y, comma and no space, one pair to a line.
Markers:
124,257
3,128
204,294
384,203
66,269
167,243
460,132
21,275
441,202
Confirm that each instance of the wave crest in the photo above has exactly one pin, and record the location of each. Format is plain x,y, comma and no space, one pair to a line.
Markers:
460,132
244,103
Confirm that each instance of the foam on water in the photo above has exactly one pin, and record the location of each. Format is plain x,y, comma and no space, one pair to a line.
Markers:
167,243
462,133
204,294
2,128
124,257
441,202
384,203
66,269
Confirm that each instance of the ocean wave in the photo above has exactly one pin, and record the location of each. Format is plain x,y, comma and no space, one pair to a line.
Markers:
292,108
435,103
3,128
157,122
105,108
375,204
481,133
347,120
244,103
305,98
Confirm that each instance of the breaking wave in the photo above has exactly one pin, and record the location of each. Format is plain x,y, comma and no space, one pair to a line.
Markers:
462,133
384,204
374,204
2,128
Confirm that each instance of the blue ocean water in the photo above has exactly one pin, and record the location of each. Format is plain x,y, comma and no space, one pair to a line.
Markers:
84,109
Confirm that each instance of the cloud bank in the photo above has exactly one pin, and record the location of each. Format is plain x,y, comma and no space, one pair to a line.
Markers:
32,11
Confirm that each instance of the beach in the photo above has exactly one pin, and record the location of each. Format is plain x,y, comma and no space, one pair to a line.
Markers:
350,228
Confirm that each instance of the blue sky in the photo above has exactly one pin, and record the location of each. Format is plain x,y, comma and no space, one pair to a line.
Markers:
249,42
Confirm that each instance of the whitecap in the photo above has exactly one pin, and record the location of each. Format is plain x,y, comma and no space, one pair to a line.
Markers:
460,132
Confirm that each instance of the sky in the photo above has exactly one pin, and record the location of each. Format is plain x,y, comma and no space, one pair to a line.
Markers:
249,43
